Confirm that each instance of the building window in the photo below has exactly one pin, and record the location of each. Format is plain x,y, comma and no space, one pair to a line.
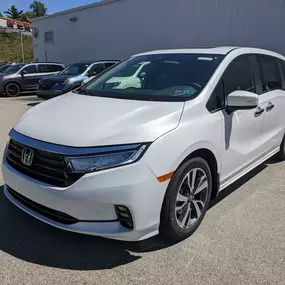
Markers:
49,37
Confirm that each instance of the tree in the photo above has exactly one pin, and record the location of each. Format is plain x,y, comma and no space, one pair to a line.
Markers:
1,15
26,17
13,13
38,9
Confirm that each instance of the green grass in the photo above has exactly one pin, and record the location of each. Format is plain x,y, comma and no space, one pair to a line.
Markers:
10,47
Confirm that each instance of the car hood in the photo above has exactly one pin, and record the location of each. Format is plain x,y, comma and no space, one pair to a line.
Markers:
84,121
55,78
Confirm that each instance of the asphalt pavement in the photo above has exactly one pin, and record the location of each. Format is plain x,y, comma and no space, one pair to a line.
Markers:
241,240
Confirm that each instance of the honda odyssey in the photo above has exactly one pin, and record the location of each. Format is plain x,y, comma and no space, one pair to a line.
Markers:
129,162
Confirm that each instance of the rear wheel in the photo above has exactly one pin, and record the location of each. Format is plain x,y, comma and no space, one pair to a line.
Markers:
12,89
187,199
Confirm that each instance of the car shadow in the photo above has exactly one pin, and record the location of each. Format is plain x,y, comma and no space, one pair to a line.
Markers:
26,238
33,104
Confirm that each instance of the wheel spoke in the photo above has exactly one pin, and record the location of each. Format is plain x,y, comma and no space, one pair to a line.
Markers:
203,184
185,215
197,208
181,198
193,180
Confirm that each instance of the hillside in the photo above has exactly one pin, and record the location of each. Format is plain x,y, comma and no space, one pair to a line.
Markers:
10,47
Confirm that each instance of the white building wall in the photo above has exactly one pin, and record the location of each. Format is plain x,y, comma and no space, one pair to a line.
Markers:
125,27
3,23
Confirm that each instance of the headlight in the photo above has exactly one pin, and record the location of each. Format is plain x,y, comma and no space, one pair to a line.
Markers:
85,164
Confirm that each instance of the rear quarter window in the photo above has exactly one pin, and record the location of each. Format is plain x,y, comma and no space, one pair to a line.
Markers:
56,68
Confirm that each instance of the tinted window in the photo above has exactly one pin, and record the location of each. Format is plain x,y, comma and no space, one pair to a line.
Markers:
30,69
56,68
217,99
97,68
167,77
75,69
44,68
239,76
270,74
109,64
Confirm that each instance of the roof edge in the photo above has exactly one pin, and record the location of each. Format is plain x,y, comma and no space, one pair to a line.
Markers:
104,2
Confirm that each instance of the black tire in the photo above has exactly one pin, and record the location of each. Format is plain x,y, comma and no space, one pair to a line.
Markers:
281,153
12,89
169,222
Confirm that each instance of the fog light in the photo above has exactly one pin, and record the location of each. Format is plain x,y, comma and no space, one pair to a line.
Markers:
124,216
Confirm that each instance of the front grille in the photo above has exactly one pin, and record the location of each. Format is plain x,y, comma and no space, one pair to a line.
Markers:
42,210
46,166
45,86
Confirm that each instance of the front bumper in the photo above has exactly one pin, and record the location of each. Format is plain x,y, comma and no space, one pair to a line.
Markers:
92,200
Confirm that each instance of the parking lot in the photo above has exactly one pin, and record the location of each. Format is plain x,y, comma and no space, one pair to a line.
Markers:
241,240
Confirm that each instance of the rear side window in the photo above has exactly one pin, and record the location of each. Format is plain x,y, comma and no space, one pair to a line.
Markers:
45,68
270,73
97,68
56,68
109,64
239,76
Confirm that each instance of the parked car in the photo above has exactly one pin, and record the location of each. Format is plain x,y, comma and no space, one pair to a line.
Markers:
132,78
2,63
23,77
129,163
70,78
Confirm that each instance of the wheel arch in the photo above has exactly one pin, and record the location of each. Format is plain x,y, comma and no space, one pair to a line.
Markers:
212,161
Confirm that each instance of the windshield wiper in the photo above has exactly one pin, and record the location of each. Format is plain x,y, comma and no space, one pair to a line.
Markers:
83,92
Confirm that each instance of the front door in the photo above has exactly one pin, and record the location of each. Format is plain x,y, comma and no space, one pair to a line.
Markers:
30,77
243,141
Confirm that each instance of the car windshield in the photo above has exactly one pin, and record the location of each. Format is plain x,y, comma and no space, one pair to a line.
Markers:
4,67
14,68
158,77
75,69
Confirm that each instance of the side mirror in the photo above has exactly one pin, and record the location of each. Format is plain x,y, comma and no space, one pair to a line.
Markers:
242,100
91,73
23,72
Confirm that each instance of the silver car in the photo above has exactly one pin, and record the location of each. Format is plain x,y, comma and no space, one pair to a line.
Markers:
23,77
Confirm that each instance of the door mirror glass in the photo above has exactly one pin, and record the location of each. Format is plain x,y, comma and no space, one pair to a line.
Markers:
242,100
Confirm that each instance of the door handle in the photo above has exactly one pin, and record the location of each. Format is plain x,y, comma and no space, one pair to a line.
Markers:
258,111
269,107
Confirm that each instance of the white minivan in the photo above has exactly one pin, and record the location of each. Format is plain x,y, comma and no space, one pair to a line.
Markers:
131,162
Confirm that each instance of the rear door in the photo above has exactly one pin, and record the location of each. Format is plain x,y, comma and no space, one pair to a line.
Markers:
272,95
30,77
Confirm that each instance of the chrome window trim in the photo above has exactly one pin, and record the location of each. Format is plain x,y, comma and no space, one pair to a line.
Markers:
67,150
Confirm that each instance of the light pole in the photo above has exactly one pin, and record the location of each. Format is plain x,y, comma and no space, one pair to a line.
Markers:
22,46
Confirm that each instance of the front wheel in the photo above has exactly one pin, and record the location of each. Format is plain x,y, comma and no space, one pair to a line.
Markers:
187,199
12,90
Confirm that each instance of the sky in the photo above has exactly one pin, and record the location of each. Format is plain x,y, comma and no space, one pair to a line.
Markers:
52,5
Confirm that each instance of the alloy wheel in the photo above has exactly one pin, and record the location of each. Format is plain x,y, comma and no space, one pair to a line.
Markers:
12,90
191,198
